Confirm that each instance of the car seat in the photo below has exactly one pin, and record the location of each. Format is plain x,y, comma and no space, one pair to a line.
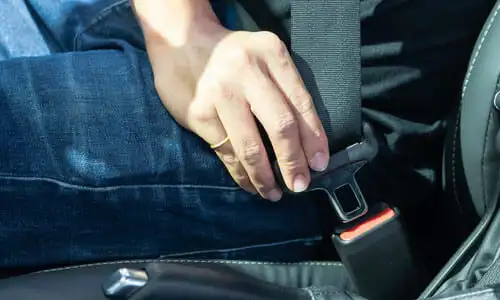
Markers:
471,178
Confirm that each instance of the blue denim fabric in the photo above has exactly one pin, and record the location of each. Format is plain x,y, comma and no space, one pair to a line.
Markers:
20,34
92,167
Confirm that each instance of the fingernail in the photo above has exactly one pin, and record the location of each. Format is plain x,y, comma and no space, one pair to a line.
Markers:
274,195
299,183
319,162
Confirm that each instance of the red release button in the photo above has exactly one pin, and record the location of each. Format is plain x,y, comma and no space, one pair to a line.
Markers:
368,225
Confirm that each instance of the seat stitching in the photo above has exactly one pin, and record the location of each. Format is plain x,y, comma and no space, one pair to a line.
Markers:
480,46
224,262
466,85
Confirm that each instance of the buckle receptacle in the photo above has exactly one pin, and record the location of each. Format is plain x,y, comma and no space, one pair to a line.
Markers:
338,181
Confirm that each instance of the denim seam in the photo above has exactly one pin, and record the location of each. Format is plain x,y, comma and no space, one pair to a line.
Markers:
216,262
100,15
114,187
242,248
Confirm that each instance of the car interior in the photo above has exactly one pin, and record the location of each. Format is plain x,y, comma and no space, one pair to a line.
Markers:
454,254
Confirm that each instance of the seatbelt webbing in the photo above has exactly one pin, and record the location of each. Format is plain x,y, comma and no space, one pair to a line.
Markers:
326,45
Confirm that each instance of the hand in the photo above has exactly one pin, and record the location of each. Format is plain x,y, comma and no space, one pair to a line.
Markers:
216,82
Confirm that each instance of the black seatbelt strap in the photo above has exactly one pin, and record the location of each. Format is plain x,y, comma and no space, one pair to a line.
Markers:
326,45
372,245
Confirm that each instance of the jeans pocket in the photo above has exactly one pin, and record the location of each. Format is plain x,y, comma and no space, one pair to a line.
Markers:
116,21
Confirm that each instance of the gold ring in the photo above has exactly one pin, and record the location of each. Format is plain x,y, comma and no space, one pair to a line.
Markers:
214,146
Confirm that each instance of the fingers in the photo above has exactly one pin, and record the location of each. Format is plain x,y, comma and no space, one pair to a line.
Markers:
227,155
261,80
284,73
209,127
240,125
270,107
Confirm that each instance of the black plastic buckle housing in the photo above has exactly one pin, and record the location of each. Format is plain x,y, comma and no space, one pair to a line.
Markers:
377,254
338,180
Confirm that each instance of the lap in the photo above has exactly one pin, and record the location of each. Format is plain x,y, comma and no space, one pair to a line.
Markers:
17,22
51,26
93,167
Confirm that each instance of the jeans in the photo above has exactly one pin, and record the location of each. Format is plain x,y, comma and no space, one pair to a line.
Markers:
92,167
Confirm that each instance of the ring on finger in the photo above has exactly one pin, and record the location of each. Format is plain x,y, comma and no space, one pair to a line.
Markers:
219,144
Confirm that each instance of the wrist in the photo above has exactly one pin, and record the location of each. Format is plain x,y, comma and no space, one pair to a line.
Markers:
175,21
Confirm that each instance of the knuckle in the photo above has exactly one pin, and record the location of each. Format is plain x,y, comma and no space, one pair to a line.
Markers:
272,41
251,152
239,57
302,101
285,125
229,159
208,85
241,179
263,184
226,93
219,90
202,113
290,162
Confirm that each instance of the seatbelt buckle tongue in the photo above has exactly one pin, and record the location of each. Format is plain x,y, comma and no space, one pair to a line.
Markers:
338,179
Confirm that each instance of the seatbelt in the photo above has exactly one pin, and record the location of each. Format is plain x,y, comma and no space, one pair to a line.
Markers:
326,45
373,246
326,48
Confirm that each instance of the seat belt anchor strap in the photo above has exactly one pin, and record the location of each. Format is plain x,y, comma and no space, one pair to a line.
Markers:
338,180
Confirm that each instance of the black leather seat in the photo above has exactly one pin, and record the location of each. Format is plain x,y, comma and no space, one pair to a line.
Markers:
472,156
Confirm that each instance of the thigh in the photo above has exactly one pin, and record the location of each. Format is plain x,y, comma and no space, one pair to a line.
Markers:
71,24
94,168
20,33
42,27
